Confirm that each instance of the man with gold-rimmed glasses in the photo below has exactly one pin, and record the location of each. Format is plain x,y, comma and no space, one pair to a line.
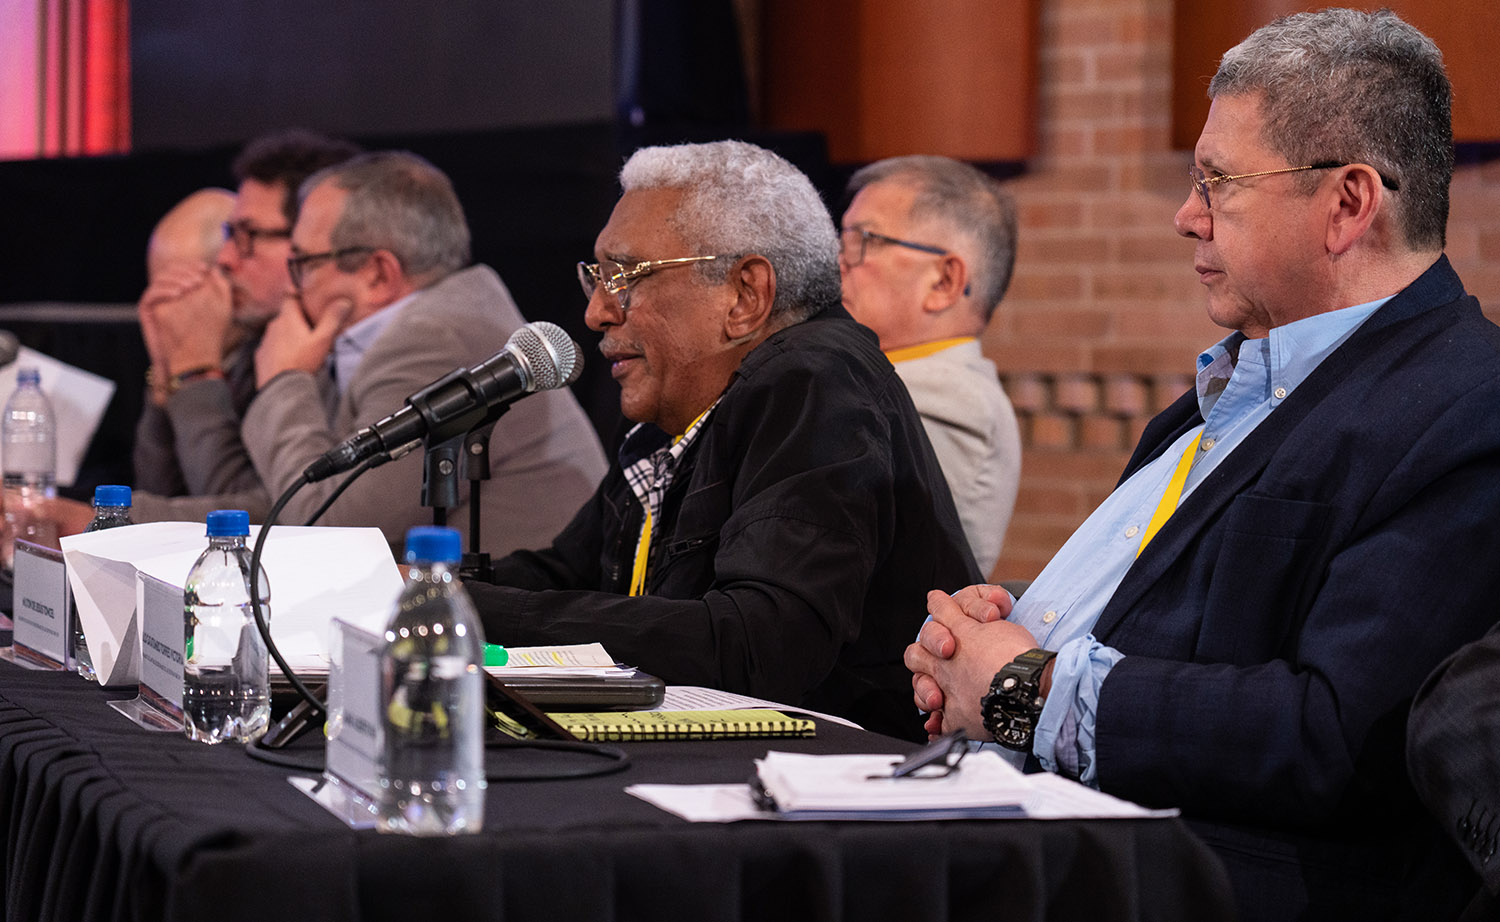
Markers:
1239,629
777,511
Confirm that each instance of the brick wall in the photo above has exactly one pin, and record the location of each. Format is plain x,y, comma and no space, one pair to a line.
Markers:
1105,316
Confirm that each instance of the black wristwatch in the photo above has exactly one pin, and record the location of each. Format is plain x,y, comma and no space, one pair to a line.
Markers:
1014,702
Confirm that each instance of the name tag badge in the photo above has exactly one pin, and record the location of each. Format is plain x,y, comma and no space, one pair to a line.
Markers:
40,607
158,704
355,737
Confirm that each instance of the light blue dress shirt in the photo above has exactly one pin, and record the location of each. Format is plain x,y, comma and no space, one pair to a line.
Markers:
1240,382
350,346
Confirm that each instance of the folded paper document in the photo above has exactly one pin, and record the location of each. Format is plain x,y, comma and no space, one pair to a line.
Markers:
797,786
834,787
316,575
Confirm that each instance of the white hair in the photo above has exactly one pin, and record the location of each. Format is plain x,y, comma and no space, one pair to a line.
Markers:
740,199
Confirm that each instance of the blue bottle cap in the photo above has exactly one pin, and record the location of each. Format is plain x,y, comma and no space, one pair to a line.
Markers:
228,523
431,544
28,375
111,494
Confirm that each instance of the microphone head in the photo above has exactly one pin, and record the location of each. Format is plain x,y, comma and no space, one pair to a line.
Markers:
548,355
9,347
577,371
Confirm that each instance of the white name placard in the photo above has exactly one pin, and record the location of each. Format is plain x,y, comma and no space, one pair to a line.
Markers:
355,737
40,607
162,641
158,704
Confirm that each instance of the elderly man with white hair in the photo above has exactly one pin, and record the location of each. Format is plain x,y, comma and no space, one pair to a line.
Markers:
777,513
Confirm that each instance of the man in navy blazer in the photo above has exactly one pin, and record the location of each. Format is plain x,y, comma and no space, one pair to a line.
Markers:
1239,629
1453,750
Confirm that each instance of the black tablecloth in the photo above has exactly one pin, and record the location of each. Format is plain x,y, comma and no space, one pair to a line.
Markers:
103,820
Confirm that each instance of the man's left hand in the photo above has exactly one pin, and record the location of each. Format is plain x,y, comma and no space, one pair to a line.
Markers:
955,658
983,603
290,343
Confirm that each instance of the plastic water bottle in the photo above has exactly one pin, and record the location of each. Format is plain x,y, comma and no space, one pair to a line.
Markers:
28,431
226,680
432,697
111,507
111,510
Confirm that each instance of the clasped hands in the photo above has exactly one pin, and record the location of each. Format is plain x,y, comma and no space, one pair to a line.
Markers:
958,652
186,314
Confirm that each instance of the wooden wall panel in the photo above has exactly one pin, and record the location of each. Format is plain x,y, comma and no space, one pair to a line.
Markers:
887,77
1204,29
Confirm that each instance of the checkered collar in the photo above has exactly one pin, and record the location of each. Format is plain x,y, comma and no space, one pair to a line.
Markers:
649,458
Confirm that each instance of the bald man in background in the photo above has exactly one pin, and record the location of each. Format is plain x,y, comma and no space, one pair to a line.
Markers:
191,232
183,246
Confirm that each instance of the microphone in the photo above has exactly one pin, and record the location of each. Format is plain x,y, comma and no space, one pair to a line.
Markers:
9,347
537,357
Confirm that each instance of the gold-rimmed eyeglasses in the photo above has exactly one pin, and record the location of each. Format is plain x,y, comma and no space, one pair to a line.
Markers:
1202,182
616,279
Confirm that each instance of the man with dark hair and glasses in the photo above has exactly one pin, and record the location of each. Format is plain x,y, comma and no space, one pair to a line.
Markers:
1239,629
777,513
925,256
201,319
386,301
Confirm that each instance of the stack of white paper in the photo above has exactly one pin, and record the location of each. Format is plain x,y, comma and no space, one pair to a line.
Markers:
841,787
316,574
860,787
579,659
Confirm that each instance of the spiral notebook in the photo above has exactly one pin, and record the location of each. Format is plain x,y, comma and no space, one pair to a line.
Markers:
636,726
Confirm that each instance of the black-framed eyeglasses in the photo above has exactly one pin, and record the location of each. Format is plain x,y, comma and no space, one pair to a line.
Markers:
296,266
243,233
942,755
616,279
853,241
1203,182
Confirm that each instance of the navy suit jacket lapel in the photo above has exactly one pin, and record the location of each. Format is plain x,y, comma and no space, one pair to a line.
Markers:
1437,286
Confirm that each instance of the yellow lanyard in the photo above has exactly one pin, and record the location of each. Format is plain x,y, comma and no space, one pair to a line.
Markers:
1172,496
907,353
643,547
642,554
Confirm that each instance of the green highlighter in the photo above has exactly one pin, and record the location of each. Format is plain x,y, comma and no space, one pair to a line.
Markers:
495,655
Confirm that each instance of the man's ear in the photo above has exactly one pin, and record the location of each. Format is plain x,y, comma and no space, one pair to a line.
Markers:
950,286
386,278
1359,196
753,281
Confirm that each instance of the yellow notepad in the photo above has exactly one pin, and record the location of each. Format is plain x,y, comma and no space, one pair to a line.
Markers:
634,726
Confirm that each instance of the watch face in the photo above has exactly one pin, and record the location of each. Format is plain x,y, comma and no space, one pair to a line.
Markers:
1016,737
1011,708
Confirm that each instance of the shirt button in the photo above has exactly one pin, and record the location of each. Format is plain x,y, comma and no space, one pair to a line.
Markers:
1208,444
1049,617
1280,393
1132,531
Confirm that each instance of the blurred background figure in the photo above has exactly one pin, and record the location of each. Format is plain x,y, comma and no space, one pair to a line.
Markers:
925,255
